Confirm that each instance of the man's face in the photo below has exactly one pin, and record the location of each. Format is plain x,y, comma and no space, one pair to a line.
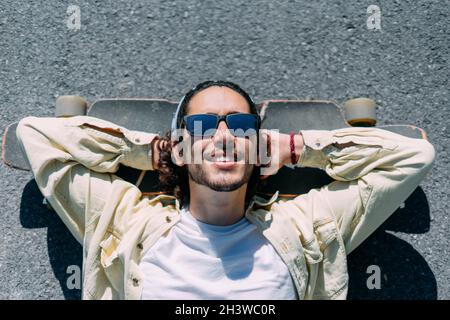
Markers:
213,172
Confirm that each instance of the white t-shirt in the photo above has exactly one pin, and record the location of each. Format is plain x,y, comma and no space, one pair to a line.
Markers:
197,260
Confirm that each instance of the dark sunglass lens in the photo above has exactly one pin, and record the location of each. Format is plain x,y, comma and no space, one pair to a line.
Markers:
200,125
243,124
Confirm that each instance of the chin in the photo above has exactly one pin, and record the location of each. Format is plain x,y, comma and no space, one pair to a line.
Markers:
225,180
225,187
220,180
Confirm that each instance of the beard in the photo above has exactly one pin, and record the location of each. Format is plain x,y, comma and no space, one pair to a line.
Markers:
220,183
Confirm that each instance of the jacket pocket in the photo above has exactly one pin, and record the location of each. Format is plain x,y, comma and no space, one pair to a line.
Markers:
112,266
332,275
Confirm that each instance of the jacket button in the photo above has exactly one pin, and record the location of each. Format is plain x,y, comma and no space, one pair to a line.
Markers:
135,282
168,219
140,246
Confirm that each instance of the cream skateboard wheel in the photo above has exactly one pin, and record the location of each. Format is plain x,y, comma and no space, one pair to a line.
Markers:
360,112
68,106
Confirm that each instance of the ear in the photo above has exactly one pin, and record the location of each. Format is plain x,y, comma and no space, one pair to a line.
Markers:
177,154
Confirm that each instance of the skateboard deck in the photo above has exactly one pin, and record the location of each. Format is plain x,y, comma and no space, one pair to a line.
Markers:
12,153
287,116
149,115
155,115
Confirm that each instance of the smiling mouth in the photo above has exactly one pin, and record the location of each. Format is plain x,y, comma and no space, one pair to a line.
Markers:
221,158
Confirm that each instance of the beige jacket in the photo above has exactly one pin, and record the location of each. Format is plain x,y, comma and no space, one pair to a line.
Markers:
74,164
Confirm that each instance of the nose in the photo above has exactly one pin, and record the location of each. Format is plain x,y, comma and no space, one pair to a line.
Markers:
223,137
222,125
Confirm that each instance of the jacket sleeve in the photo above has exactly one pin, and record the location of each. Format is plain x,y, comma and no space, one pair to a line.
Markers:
375,171
73,159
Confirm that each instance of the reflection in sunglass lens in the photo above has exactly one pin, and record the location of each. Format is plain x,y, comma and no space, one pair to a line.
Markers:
242,124
199,125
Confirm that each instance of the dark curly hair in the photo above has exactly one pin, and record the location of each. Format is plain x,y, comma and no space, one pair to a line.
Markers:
173,179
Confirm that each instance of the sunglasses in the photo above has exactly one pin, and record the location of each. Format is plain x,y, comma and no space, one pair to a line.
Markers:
205,125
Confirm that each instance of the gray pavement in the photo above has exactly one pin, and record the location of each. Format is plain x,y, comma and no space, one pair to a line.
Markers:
274,49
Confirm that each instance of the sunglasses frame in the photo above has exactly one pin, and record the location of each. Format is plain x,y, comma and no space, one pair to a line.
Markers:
220,118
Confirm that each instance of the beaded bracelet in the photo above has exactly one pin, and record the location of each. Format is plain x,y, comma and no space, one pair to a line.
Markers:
294,157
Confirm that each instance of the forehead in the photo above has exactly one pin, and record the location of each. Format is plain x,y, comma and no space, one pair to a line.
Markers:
218,100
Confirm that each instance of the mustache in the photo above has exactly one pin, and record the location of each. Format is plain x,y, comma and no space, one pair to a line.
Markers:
217,153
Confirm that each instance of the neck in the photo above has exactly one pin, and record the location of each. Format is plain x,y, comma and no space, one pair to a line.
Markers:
216,208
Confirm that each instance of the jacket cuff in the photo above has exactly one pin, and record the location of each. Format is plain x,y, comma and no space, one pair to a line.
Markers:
139,153
314,141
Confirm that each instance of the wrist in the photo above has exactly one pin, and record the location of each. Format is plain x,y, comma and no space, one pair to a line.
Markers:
285,155
294,148
299,144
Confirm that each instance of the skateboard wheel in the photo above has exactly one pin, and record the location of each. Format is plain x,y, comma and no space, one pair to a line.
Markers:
68,106
360,112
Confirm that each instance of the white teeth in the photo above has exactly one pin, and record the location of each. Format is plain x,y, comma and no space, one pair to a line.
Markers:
221,159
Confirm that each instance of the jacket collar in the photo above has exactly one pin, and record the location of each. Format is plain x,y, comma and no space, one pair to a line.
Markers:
256,200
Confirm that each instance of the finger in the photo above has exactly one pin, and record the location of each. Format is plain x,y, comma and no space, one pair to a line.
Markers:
269,145
265,152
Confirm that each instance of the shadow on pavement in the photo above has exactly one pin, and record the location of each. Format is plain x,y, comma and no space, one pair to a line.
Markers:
404,272
62,247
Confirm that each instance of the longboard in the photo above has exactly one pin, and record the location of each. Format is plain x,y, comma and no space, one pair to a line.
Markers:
155,115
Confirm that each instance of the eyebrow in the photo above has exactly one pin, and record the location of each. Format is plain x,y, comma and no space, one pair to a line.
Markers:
231,112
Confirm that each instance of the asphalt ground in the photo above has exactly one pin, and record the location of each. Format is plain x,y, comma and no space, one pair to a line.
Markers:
274,49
